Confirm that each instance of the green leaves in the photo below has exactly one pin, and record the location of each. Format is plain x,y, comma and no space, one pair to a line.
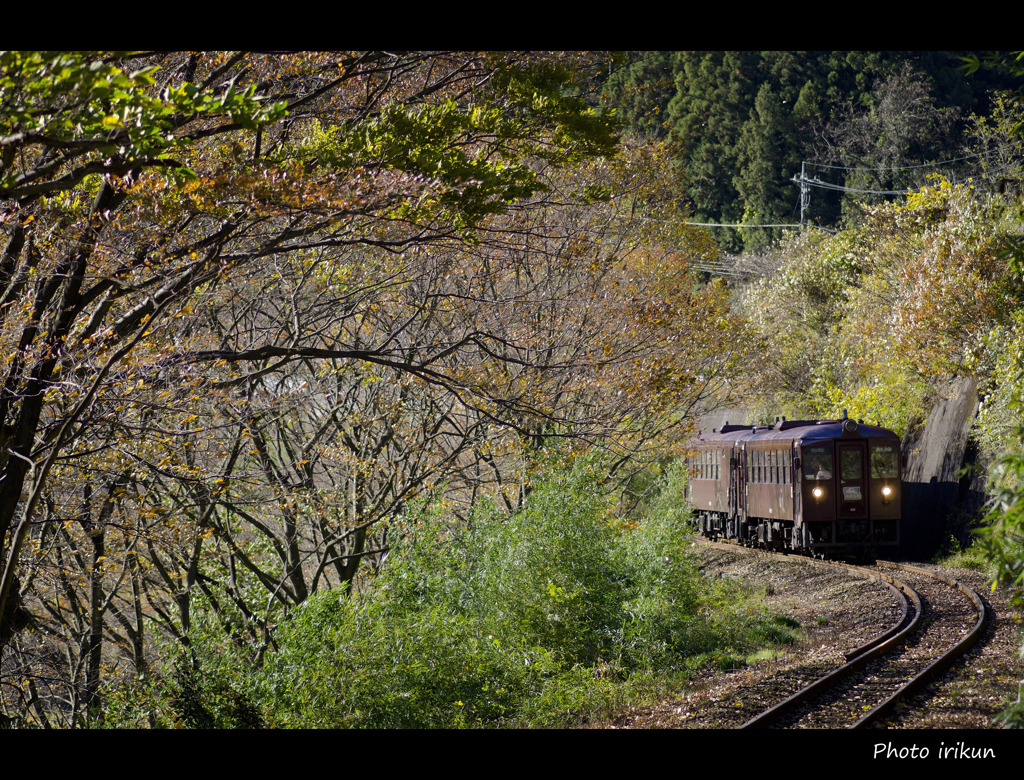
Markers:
66,114
546,94
470,160
1002,536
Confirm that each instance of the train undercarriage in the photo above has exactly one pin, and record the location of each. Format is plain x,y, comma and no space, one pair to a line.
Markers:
853,539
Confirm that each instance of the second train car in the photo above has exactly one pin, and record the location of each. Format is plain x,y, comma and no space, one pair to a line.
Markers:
823,487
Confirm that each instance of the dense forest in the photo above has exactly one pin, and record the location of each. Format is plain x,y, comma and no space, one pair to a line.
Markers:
787,138
346,389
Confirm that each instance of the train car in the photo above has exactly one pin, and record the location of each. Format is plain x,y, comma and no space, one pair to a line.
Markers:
830,488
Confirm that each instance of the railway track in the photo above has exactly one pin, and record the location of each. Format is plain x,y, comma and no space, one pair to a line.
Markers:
938,619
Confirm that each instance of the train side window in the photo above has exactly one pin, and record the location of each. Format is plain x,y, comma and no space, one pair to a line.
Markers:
884,462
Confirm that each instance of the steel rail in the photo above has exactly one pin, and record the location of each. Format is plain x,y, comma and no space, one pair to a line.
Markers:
857,658
879,645
944,660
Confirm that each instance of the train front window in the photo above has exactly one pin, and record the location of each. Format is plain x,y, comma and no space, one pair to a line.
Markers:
884,462
818,463
850,464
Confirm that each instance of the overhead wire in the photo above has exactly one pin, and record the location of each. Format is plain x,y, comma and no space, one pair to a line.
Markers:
840,188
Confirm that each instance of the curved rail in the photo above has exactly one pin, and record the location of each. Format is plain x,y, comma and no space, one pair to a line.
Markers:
895,635
944,660
856,659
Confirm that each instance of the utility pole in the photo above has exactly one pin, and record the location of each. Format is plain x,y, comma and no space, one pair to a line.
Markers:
805,194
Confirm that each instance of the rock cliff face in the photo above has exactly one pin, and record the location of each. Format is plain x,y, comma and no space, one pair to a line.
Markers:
937,501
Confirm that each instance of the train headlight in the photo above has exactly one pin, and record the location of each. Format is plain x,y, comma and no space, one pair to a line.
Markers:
817,492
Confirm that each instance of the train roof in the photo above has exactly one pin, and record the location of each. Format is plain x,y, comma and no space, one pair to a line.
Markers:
798,430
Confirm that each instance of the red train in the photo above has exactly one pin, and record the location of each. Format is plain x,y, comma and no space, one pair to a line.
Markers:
822,487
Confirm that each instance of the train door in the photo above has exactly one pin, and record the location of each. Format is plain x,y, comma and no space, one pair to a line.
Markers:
794,480
733,484
852,479
742,488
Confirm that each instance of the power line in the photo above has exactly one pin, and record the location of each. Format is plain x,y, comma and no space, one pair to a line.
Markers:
806,183
901,168
1000,148
839,188
737,225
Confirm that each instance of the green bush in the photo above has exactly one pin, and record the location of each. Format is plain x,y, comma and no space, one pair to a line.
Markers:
544,617
344,664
